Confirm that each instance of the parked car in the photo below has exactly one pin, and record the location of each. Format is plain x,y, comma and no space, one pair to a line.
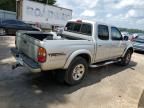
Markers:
9,27
129,35
125,34
83,44
135,35
138,43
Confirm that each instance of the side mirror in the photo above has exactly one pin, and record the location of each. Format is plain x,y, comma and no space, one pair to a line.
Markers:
125,38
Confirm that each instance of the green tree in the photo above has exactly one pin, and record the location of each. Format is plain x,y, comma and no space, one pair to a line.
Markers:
131,30
10,5
50,2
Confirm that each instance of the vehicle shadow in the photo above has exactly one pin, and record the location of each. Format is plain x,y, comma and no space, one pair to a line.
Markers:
139,52
21,89
41,90
46,80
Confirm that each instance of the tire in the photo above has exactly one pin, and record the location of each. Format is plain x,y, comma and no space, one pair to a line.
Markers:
76,71
126,59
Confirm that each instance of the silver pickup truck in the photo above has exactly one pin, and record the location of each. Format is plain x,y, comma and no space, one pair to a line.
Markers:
82,44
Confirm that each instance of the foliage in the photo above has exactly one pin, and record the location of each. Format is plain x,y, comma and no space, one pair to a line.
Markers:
50,2
9,5
131,30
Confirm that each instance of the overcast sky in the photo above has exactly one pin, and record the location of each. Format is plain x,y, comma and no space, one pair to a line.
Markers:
122,13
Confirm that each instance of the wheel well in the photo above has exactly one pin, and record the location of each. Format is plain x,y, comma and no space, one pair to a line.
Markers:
86,57
131,49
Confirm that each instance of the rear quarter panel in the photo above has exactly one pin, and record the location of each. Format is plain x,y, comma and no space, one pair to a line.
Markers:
59,52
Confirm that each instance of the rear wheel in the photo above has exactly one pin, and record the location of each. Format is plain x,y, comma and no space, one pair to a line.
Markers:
77,71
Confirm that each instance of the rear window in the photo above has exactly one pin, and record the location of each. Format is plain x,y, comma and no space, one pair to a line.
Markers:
86,29
77,27
81,28
69,26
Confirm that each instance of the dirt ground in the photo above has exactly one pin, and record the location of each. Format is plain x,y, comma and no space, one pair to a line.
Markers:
111,86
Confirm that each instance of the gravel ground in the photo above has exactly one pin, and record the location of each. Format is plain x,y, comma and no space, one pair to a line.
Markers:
111,86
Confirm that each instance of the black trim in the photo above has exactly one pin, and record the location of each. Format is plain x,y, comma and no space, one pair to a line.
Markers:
56,54
71,37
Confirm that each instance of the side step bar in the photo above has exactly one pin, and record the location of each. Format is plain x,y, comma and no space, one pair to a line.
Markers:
103,64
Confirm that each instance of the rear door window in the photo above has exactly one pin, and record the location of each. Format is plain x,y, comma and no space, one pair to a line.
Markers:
103,32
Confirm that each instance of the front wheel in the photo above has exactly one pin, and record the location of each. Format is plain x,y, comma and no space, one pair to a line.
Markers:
126,59
77,71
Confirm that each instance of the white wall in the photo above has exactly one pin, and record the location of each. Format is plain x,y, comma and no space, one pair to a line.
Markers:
41,13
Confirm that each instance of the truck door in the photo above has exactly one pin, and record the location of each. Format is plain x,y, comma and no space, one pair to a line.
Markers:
103,43
117,43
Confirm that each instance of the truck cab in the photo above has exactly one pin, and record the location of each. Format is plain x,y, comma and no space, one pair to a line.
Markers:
108,41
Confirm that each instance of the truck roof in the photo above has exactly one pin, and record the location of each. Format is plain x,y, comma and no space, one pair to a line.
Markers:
90,21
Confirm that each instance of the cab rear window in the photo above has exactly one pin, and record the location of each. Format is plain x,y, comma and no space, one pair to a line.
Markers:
81,28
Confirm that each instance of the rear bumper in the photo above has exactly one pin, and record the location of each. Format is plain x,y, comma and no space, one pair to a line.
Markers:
23,60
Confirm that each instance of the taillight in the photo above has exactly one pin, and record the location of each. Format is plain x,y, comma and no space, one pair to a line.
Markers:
42,54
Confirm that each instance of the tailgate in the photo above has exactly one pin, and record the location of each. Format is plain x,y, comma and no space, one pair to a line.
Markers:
27,45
